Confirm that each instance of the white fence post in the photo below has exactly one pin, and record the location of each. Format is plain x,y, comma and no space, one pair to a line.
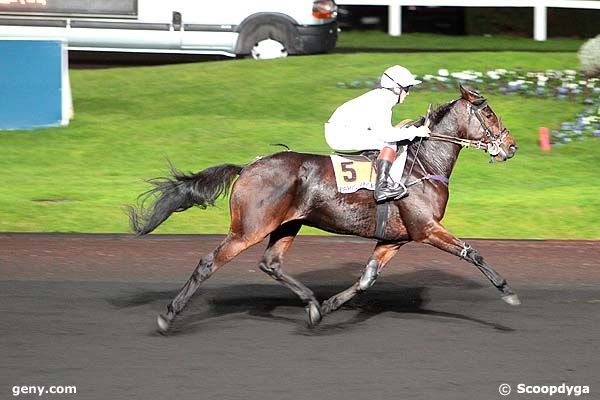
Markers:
395,19
539,23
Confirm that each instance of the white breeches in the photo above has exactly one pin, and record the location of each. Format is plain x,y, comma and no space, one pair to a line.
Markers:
348,139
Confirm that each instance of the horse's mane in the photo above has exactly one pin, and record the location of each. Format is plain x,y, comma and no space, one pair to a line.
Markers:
441,111
437,114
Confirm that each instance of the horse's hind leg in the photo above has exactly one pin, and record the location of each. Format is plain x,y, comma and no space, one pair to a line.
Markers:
442,239
279,243
381,255
208,265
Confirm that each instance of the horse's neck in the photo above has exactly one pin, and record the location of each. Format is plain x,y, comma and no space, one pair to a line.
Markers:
438,157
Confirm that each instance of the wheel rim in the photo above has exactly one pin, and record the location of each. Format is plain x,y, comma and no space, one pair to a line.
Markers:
268,49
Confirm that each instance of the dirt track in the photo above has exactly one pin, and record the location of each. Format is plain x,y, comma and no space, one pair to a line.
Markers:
80,310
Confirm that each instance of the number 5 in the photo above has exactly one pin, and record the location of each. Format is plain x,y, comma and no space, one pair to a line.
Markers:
346,168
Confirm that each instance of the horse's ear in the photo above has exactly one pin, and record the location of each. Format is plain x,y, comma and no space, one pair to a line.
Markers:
464,92
469,95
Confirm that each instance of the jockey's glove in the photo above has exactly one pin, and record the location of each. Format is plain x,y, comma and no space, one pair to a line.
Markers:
422,131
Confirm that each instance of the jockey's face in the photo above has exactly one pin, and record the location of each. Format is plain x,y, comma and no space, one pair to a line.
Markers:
402,96
401,92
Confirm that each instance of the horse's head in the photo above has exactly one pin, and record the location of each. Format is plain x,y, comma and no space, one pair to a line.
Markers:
482,125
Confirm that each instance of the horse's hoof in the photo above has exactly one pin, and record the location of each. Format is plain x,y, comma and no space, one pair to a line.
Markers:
512,299
163,324
314,314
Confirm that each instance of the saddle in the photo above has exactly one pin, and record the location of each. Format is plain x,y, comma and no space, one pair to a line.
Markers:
362,155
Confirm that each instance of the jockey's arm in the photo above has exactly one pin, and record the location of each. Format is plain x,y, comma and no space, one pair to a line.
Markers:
392,134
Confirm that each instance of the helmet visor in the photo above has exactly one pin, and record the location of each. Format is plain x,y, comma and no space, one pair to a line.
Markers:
405,88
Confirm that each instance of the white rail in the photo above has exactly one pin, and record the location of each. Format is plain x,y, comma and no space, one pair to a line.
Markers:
539,9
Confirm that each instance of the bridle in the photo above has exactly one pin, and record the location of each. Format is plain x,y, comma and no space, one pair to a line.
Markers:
493,144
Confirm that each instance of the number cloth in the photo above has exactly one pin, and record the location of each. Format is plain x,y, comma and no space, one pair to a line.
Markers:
352,175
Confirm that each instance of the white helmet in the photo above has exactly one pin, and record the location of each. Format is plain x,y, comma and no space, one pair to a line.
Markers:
397,76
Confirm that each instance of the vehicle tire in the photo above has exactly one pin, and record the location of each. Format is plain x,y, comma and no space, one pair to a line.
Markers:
255,37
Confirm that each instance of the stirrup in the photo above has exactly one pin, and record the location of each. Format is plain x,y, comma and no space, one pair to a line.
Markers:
396,192
403,191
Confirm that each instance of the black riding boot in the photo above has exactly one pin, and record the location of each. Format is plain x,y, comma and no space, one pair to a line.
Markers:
385,187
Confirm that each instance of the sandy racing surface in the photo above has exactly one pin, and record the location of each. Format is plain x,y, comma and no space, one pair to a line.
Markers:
80,310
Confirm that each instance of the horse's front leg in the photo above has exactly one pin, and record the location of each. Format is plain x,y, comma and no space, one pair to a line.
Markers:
381,255
442,239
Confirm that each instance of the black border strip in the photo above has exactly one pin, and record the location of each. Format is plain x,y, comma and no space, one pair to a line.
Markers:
209,28
120,25
54,23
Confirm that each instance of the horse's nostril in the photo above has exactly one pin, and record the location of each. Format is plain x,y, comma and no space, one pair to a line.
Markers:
512,149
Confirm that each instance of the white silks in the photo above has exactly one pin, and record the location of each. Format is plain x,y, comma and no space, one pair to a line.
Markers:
365,123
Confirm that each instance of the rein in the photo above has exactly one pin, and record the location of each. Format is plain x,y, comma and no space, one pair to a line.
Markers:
492,147
465,143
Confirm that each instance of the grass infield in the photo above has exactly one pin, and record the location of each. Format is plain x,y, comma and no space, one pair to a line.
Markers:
129,121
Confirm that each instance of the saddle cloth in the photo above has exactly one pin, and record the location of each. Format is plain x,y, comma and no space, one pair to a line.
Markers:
353,173
358,172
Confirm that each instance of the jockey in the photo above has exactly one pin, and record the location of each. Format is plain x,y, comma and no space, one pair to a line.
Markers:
365,123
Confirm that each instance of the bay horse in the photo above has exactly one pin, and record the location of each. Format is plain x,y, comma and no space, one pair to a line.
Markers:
275,195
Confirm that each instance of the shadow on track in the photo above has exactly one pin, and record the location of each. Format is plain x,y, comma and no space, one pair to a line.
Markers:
400,294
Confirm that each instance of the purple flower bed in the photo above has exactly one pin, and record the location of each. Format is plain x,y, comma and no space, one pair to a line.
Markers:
565,85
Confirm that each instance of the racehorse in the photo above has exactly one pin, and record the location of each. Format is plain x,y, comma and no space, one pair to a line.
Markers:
277,194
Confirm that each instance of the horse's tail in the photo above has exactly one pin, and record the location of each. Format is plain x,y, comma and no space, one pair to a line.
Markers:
180,192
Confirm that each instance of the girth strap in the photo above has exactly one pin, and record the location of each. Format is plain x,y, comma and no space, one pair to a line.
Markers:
383,210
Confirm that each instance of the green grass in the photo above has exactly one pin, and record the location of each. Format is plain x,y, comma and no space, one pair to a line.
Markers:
129,121
426,41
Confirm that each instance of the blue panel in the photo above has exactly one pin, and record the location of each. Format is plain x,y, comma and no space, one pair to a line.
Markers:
30,83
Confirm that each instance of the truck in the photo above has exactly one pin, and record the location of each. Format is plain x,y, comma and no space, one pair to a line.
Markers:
225,27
